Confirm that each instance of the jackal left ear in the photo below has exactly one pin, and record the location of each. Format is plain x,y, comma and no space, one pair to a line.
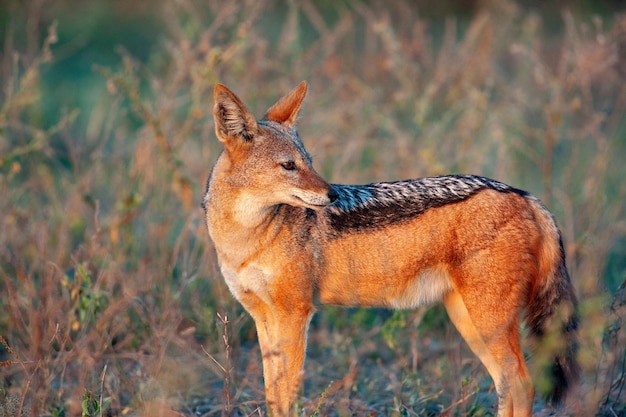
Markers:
232,119
286,109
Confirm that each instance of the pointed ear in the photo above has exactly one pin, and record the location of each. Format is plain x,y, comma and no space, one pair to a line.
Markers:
232,119
286,110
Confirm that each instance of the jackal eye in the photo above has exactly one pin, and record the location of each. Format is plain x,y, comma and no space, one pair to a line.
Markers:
288,166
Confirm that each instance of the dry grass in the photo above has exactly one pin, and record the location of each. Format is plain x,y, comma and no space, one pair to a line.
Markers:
110,291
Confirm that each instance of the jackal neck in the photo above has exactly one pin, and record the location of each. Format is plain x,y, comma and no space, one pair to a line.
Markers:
239,234
227,202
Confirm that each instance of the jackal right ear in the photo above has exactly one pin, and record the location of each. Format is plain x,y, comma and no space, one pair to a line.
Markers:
286,110
232,119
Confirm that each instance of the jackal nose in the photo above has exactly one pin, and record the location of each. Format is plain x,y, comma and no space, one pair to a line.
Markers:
333,195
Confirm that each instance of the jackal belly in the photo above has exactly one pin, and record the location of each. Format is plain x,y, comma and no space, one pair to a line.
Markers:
401,266
426,287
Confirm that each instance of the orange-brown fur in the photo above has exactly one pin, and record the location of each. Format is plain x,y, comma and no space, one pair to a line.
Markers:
487,255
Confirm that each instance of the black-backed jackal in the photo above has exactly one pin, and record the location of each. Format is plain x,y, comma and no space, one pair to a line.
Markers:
287,239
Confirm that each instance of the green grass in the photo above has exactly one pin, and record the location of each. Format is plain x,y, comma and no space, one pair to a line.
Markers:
111,298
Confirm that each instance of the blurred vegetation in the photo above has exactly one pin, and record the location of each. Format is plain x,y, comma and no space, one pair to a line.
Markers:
109,290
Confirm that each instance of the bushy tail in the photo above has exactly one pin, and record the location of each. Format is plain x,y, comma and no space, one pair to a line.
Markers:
551,314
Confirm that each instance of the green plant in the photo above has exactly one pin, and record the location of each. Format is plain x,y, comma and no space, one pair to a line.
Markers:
93,405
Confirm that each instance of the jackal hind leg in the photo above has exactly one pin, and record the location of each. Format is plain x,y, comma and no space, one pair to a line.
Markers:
499,350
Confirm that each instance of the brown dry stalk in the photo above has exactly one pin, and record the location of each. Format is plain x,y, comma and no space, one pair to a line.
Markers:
8,362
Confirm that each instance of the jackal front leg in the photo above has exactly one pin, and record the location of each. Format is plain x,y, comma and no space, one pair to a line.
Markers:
282,336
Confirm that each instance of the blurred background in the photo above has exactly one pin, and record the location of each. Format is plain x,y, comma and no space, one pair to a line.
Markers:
111,302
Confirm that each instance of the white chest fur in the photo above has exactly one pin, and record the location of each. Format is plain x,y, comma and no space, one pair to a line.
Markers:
252,278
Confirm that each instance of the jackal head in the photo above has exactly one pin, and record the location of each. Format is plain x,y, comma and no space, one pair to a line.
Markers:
266,159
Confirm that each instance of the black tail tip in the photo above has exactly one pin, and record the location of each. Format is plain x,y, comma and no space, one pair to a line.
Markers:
565,376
